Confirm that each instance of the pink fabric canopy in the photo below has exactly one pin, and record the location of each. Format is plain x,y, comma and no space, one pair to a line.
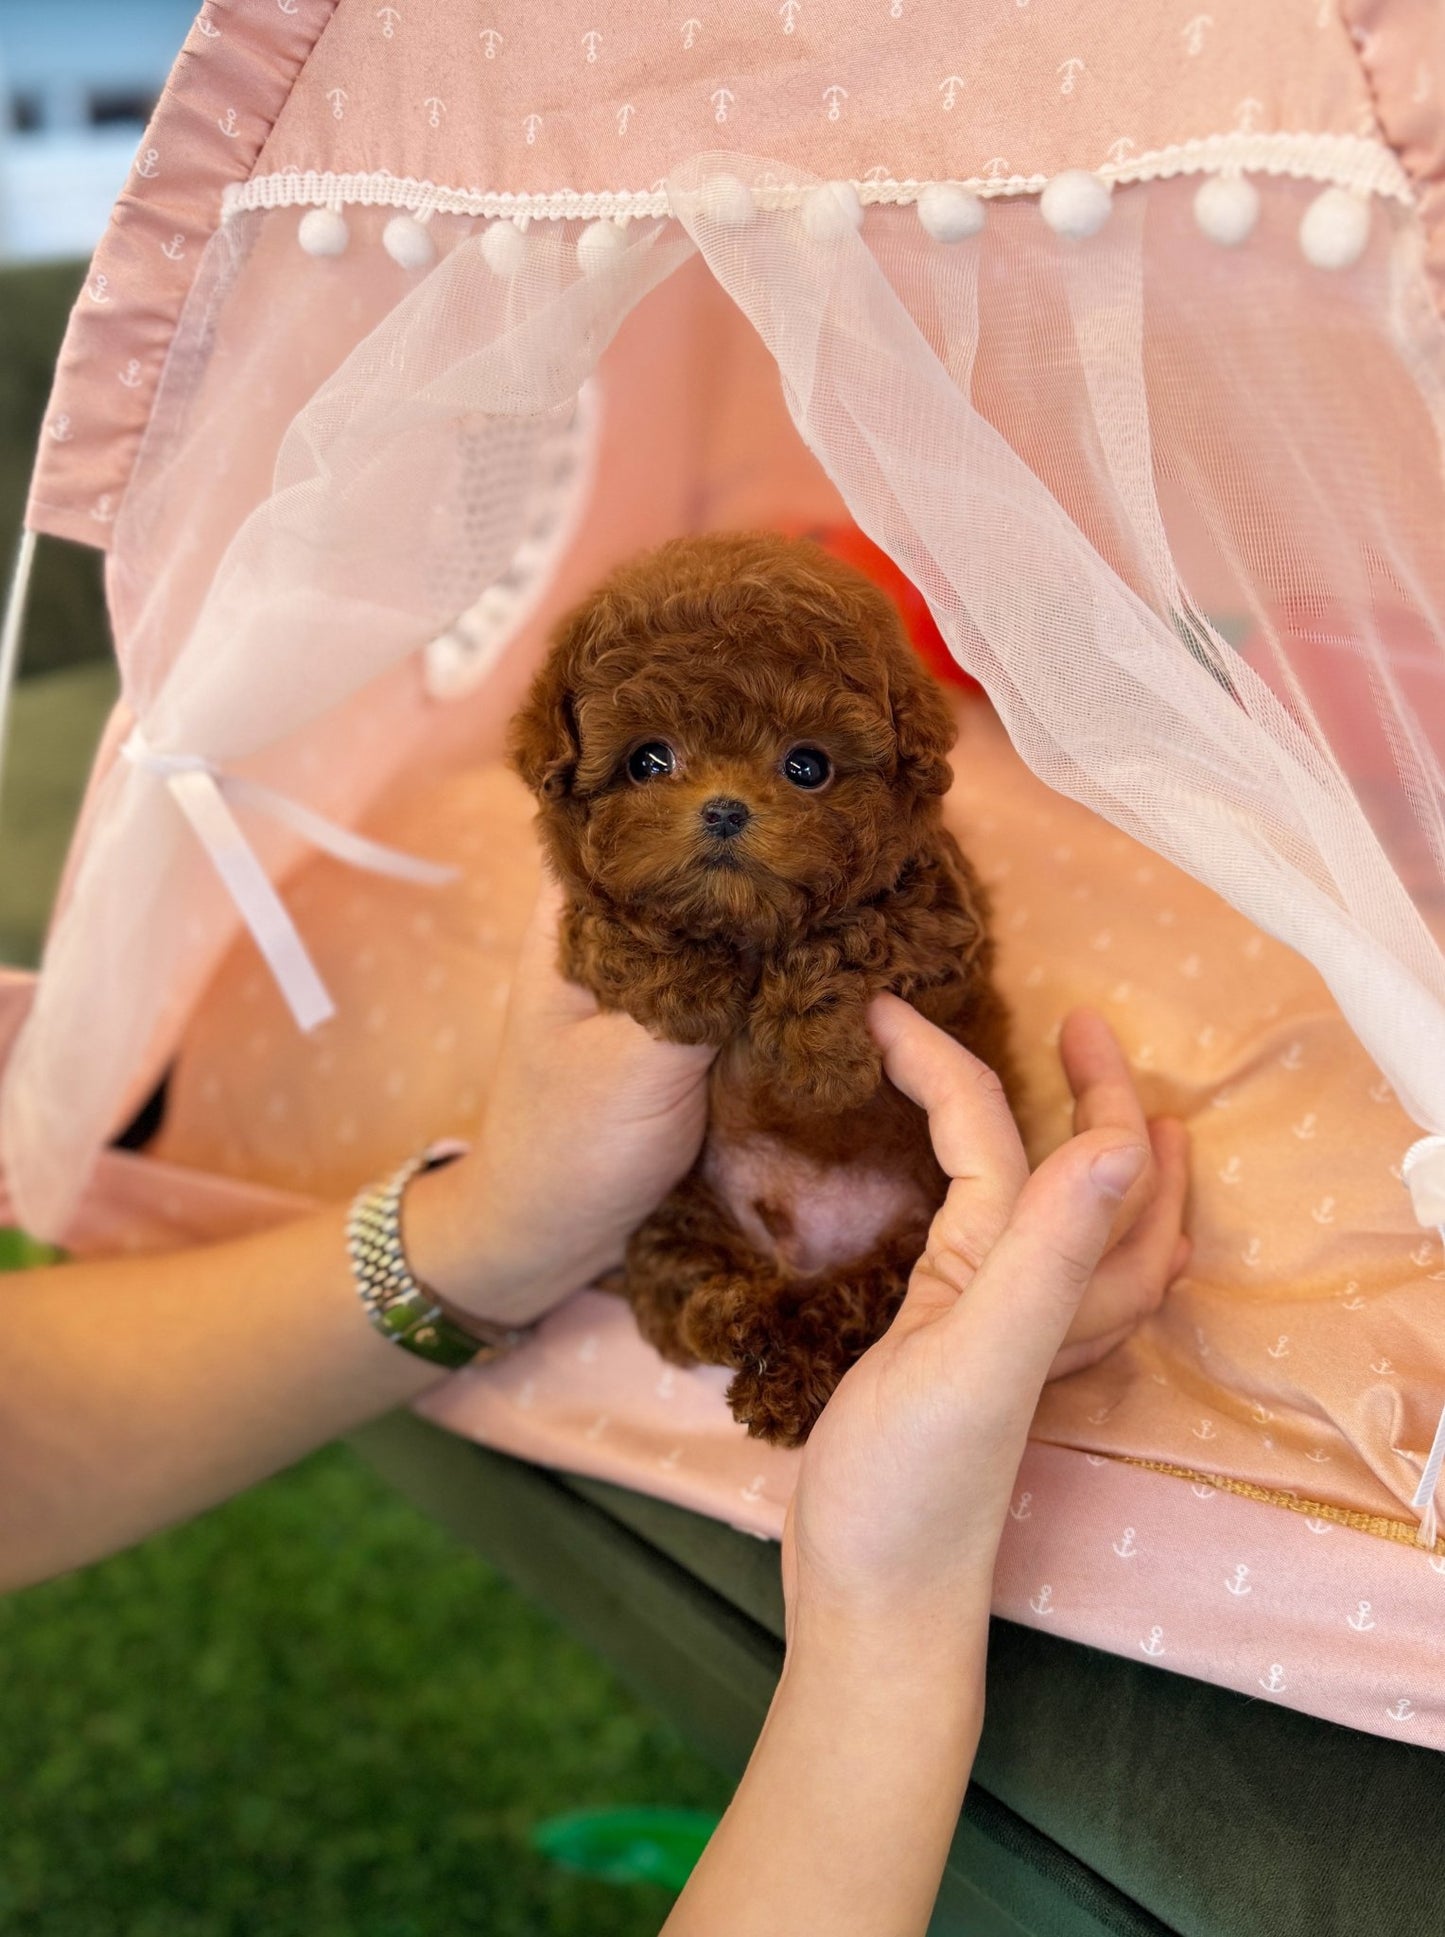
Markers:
1119,329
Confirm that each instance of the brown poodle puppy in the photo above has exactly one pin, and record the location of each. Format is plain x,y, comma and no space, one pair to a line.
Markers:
740,763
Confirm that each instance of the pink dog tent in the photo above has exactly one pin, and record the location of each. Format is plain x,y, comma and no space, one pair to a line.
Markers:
1121,331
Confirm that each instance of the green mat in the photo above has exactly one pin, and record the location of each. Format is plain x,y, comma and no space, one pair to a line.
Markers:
628,1845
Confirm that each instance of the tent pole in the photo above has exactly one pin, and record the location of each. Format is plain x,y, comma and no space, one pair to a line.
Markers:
11,627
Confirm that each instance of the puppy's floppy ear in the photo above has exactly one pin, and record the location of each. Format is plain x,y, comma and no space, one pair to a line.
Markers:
924,725
542,741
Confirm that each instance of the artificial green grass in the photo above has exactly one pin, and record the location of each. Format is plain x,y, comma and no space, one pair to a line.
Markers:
310,1712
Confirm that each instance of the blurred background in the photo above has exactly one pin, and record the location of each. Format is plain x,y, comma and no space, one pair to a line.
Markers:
311,1711
78,80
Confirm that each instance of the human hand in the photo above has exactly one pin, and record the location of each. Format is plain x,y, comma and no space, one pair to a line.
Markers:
1148,1248
590,1122
894,1526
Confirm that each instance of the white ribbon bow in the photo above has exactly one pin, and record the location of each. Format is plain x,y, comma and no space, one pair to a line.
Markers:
205,794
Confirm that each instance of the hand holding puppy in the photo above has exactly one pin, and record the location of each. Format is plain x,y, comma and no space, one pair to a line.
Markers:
590,1121
906,1480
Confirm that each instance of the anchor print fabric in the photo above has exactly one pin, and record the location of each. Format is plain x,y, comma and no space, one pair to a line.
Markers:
593,97
1284,1607
229,84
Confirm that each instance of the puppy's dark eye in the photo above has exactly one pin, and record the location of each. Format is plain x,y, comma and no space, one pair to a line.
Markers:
806,767
650,762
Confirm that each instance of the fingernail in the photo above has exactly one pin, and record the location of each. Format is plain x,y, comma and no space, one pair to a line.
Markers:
1115,1170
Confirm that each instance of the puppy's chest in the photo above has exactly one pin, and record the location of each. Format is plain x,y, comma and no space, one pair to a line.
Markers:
808,1215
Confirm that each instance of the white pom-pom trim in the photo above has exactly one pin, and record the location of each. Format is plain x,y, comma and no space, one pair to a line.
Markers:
831,210
727,200
1335,229
1076,204
599,246
950,213
503,248
1226,207
406,241
323,232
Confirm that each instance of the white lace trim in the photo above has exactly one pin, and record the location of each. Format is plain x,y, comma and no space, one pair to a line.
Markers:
457,662
1348,161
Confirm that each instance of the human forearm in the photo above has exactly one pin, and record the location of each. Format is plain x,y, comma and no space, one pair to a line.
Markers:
843,1820
137,1391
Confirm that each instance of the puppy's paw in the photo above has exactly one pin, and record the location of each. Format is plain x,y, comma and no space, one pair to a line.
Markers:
843,1075
822,1062
722,1320
692,1011
779,1409
782,1378
685,995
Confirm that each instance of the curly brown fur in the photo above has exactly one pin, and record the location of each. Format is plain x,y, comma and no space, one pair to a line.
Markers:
768,940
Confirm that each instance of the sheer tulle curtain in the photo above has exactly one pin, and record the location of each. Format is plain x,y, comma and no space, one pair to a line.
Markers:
259,589
1179,509
1170,504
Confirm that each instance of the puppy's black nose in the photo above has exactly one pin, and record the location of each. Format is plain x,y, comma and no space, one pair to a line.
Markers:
724,817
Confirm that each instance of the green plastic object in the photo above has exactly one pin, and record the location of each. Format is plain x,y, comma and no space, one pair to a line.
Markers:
21,1253
627,1845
